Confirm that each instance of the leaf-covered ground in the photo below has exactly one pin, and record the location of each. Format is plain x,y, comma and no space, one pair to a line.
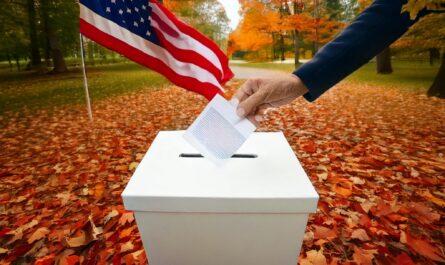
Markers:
375,155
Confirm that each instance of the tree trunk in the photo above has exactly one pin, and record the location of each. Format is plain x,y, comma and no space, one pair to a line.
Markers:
17,62
282,47
59,65
10,63
33,40
274,54
90,52
384,61
437,89
434,54
296,48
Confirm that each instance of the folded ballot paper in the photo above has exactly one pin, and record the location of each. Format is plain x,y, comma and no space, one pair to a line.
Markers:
219,132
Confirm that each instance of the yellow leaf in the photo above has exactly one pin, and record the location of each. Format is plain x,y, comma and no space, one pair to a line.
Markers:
38,234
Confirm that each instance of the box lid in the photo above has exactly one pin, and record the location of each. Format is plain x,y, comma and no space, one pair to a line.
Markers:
273,182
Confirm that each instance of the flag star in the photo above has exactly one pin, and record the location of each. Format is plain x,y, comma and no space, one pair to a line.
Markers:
148,33
142,20
123,21
136,9
144,7
121,11
108,9
128,10
135,24
113,1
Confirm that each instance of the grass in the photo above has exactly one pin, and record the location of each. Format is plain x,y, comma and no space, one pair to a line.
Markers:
414,76
27,90
19,90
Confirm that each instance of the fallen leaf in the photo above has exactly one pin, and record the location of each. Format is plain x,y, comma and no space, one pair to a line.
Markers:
363,256
360,234
427,194
127,217
314,257
343,187
424,248
321,232
127,246
77,241
110,215
38,234
133,166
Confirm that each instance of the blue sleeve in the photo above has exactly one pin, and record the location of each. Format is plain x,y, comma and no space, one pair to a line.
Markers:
374,29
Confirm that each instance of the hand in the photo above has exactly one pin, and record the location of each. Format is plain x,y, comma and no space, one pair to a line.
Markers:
257,95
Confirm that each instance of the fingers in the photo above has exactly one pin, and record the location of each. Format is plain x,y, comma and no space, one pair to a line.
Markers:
251,104
259,115
247,89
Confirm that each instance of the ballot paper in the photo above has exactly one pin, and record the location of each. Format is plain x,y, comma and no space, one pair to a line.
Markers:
219,132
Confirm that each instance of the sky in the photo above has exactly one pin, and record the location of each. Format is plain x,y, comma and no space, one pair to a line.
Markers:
231,7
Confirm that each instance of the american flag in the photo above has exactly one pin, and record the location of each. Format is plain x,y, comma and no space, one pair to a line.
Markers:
146,32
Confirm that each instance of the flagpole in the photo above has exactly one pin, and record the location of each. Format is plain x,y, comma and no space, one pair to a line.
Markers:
90,114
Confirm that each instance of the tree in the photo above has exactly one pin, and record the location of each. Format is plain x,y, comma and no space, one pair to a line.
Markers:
428,35
383,62
52,43
13,33
33,40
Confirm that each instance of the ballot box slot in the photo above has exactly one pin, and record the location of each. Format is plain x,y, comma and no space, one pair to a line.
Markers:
190,155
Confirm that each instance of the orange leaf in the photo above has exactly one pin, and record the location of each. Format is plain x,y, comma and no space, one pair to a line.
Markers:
38,234
424,248
314,257
343,187
432,198
322,232
363,256
98,190
127,217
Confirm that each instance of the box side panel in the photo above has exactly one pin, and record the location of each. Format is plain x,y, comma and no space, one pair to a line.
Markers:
221,239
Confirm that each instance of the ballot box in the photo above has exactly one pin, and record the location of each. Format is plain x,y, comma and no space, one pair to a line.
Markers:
252,210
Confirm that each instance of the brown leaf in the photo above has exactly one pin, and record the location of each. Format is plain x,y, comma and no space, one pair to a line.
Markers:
38,234
77,241
360,234
127,246
314,257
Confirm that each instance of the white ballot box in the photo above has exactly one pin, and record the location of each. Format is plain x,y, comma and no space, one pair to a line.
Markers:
253,210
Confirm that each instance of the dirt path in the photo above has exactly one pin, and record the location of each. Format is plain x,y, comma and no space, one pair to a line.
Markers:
250,72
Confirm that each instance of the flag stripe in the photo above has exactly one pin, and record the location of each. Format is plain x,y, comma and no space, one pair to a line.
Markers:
180,26
206,89
153,50
189,56
182,41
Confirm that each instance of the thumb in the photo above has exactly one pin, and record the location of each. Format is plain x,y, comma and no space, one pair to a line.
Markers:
250,104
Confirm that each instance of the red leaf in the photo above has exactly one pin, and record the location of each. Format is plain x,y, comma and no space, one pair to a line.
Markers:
424,248
403,259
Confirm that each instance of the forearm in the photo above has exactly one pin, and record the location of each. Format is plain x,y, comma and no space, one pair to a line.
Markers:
373,30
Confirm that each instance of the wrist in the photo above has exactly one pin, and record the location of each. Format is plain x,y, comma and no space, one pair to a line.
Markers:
298,85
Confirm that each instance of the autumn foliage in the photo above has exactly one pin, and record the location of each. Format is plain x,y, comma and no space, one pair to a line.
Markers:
375,156
267,24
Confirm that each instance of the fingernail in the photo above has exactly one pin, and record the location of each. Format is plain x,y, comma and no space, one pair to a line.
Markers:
240,112
258,118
